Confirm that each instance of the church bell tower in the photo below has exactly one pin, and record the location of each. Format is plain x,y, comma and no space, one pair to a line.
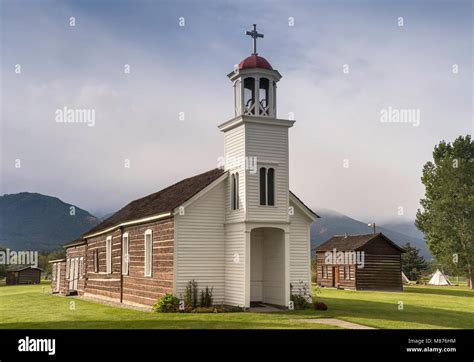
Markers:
255,82
256,144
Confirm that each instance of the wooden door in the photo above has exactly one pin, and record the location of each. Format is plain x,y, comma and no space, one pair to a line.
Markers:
335,276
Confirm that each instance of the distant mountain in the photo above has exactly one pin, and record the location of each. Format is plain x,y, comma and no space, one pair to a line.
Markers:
31,221
404,227
333,223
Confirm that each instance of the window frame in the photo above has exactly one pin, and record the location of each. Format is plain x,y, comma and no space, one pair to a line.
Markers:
68,268
235,198
81,268
108,255
324,272
272,183
95,256
148,255
264,188
125,254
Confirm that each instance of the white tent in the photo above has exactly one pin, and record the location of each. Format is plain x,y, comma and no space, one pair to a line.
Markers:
405,280
439,278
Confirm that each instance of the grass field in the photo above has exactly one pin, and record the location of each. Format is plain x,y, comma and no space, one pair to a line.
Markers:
32,307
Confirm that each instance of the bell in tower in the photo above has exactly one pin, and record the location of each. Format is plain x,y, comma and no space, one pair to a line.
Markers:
255,84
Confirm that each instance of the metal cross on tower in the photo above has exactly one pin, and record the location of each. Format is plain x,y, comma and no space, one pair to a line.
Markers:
254,34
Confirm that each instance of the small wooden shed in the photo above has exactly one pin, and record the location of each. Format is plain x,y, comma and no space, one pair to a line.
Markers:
360,262
23,274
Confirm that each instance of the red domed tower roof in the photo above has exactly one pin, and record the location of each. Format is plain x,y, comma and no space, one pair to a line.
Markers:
255,61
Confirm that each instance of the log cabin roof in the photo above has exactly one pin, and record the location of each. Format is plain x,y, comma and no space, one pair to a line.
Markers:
353,242
20,267
76,242
162,201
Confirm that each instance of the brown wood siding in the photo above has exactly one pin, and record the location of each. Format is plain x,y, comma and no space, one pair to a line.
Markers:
379,246
380,272
328,281
26,276
102,284
137,288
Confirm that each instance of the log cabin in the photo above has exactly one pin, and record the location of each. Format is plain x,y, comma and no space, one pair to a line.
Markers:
23,274
237,229
360,262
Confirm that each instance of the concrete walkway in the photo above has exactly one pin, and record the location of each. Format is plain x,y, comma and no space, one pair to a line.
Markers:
336,323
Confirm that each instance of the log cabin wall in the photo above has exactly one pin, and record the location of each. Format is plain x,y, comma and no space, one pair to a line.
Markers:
134,287
381,272
30,276
99,283
147,290
347,278
382,269
25,276
75,253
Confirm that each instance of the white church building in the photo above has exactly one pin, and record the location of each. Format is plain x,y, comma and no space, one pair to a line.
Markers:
237,228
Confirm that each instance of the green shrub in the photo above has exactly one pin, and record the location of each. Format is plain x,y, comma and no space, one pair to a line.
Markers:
167,304
300,300
206,297
191,294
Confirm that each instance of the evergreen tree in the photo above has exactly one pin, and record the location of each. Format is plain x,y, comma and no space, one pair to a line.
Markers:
413,264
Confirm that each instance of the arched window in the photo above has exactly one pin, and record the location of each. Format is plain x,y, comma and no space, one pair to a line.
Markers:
249,96
267,186
235,191
271,187
263,96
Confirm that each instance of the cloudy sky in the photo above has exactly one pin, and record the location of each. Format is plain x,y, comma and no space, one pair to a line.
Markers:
343,63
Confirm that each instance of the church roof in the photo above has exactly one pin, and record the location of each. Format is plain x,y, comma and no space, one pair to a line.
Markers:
159,202
255,61
352,242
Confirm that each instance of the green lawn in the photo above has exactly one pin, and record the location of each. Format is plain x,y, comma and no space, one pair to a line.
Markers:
423,307
31,307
